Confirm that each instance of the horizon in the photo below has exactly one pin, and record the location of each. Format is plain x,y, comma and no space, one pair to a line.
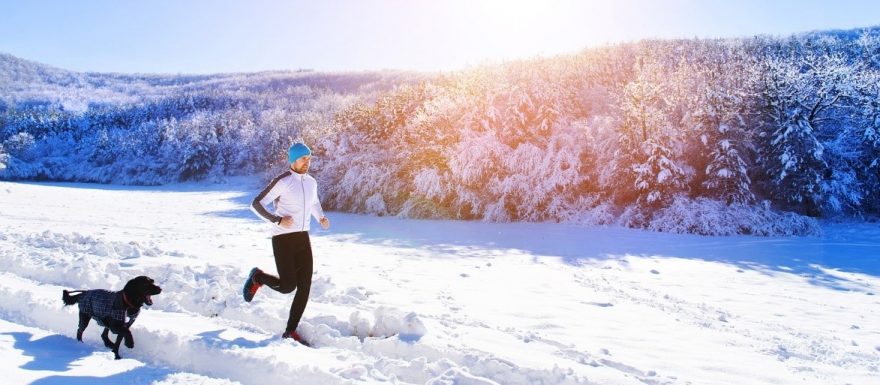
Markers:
203,37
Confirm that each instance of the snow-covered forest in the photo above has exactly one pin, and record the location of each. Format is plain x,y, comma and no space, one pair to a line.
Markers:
756,135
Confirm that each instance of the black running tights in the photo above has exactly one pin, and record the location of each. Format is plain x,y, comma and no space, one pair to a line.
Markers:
293,258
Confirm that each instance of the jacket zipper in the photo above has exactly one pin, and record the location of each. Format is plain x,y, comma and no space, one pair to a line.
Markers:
305,213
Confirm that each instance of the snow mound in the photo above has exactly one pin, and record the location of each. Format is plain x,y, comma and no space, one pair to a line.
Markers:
387,322
459,376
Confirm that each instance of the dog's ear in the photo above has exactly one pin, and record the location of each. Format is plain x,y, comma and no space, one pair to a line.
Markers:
136,290
139,281
129,286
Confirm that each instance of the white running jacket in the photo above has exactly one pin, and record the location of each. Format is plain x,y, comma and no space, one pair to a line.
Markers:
294,195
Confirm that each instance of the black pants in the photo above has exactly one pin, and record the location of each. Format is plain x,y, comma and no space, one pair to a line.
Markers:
293,258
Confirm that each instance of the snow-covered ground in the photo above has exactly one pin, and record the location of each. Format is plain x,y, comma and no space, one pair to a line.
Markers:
463,302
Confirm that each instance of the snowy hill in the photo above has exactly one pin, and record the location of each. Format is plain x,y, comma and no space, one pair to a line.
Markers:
14,70
470,302
27,84
758,135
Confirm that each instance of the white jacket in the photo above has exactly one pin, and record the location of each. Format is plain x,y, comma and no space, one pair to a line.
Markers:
295,195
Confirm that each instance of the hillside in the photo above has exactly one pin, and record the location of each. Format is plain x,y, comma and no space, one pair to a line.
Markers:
755,135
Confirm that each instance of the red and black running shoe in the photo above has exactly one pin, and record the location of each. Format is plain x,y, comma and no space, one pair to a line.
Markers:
296,337
251,285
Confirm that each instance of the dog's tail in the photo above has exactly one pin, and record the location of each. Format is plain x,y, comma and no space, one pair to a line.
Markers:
70,299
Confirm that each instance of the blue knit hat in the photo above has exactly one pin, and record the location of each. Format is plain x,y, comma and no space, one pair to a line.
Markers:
296,151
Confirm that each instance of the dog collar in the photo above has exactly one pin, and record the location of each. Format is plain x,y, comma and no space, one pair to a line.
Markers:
125,299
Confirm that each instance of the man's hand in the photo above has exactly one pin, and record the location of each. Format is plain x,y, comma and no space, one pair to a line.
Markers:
325,223
286,222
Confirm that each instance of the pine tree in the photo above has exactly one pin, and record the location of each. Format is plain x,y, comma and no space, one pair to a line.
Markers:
646,165
103,149
793,158
726,173
716,115
4,158
198,161
868,104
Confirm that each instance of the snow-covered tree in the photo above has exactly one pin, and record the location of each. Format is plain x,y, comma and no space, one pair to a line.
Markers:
4,158
867,130
649,129
868,45
104,149
798,100
727,176
716,116
646,165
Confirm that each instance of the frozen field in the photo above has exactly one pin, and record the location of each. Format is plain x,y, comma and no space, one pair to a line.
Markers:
463,302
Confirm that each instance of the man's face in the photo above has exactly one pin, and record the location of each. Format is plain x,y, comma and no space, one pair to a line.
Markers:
301,165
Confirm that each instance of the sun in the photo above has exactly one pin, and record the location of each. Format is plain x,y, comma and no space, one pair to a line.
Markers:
514,29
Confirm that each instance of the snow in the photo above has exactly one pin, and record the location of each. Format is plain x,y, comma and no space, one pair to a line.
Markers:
428,302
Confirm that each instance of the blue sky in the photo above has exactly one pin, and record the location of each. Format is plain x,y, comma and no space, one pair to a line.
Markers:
178,36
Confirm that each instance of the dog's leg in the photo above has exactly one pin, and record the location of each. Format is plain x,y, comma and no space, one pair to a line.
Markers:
106,338
83,324
129,339
116,346
121,332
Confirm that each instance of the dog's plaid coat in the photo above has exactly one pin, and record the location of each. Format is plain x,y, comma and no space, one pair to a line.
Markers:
99,304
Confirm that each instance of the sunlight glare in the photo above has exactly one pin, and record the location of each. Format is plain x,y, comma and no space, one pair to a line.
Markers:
520,29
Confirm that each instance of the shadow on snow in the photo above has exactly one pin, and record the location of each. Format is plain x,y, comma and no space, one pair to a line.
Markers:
853,248
57,353
53,352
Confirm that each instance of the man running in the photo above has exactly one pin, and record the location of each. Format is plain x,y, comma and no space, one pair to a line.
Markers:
295,197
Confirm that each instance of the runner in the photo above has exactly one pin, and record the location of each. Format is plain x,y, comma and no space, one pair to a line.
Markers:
295,197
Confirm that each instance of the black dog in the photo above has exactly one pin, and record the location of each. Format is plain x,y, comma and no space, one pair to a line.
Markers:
109,309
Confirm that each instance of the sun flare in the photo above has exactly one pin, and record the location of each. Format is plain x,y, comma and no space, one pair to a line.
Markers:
506,30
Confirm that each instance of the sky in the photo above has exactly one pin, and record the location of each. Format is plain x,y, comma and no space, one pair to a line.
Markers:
211,36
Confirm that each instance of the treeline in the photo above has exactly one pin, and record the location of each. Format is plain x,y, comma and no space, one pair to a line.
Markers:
156,129
749,136
754,136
